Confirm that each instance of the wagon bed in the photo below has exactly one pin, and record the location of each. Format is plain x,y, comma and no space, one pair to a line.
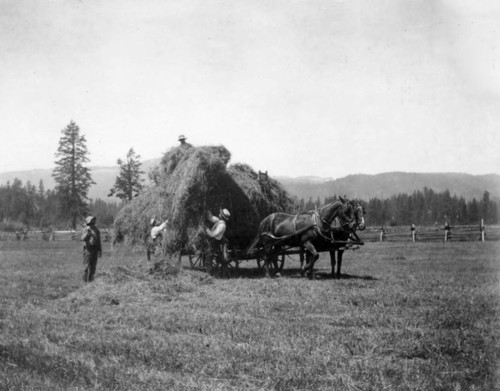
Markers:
232,256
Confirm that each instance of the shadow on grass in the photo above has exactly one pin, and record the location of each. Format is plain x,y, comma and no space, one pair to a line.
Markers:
328,276
255,273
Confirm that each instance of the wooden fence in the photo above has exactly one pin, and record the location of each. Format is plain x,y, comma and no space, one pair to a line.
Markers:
49,235
457,233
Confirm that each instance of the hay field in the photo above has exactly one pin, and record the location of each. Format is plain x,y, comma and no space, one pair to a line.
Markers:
408,316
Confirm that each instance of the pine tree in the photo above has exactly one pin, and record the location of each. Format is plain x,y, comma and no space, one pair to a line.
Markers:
128,183
72,177
484,207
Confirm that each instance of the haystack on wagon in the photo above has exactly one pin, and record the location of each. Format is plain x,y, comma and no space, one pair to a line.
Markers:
191,181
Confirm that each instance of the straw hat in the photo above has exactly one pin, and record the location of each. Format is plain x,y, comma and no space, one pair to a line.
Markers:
224,213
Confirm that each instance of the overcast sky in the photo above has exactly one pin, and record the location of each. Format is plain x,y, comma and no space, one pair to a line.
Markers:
318,87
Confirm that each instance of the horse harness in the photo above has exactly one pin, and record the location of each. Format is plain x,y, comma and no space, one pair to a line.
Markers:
339,225
316,222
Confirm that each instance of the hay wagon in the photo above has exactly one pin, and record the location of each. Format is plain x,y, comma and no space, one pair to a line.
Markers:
231,256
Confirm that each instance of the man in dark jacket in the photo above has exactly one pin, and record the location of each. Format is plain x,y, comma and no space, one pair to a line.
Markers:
92,248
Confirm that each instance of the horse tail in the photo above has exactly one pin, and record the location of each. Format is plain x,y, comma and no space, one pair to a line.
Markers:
264,226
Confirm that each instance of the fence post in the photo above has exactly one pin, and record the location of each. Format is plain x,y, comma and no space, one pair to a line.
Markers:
446,231
481,228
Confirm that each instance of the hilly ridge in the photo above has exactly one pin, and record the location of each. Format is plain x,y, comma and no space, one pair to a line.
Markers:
354,186
388,184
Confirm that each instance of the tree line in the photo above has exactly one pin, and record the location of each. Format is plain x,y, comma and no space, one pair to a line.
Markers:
68,204
33,206
424,207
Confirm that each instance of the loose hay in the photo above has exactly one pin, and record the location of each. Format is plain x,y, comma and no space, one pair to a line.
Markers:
193,181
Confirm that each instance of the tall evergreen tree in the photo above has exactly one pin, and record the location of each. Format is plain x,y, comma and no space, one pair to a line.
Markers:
128,183
72,177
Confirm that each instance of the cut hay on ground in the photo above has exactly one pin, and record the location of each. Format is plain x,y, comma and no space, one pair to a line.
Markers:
193,181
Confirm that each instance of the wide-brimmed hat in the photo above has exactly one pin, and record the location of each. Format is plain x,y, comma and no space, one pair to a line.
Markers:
224,213
89,220
182,137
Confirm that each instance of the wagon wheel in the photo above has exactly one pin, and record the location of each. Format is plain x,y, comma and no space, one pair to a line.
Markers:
204,260
227,261
280,260
232,259
196,260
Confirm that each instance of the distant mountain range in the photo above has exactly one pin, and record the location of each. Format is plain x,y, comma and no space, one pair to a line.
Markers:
354,186
391,183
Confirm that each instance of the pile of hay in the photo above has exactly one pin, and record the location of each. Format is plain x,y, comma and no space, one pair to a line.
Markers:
192,181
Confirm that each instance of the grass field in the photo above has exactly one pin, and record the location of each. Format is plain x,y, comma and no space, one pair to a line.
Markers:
407,316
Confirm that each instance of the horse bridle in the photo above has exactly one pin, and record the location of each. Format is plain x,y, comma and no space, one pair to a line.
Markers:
343,222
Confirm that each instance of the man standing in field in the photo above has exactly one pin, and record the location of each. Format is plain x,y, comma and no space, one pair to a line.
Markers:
92,248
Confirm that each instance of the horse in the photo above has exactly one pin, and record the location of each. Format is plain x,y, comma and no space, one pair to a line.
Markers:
336,240
279,230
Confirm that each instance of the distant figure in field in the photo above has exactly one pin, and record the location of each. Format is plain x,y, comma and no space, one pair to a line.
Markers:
382,233
92,248
413,232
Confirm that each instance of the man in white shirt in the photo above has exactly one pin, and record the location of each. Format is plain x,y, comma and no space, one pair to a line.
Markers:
216,233
156,237
219,227
158,230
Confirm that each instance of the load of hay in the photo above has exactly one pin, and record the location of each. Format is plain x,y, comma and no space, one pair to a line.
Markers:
190,181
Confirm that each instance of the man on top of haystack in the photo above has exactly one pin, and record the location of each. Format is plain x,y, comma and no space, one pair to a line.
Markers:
182,140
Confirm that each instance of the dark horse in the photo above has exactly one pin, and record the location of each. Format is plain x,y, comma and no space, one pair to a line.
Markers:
339,237
281,230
